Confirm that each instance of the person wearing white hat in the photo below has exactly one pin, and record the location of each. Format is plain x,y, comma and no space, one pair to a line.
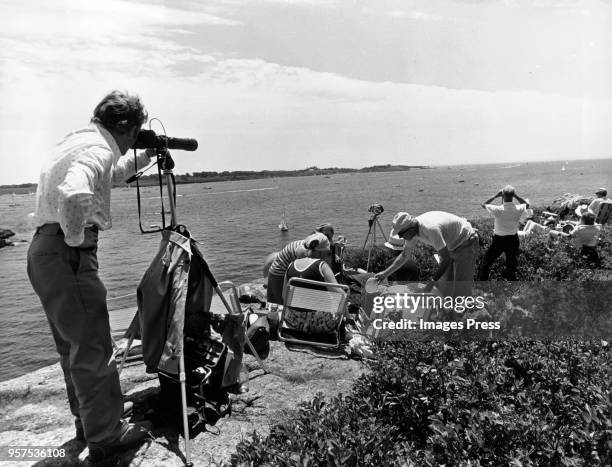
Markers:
454,239
505,232
409,272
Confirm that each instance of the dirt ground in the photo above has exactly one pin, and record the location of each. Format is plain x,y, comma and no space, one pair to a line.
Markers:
34,409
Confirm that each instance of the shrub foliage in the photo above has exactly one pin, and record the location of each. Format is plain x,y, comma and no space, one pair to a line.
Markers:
517,402
476,403
541,258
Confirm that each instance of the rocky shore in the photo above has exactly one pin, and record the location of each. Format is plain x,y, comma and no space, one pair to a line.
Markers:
34,409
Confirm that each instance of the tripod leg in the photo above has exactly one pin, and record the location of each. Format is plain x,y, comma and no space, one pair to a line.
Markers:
182,380
367,236
382,231
372,243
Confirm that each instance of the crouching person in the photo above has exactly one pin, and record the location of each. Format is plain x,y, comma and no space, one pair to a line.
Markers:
314,246
453,238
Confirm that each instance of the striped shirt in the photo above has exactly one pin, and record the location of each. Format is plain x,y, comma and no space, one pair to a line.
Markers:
286,256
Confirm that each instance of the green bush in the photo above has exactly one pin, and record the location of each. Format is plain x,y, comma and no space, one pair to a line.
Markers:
516,402
541,258
477,403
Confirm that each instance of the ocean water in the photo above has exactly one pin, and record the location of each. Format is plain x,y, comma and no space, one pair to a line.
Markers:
237,225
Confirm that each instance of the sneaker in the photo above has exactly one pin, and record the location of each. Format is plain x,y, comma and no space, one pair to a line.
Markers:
132,435
128,408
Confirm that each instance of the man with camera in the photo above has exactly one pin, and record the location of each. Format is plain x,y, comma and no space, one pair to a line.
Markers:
72,206
454,239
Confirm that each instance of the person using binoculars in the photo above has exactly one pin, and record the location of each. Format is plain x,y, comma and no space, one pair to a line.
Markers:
72,205
505,232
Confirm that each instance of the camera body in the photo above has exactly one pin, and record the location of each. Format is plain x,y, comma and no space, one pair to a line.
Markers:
376,209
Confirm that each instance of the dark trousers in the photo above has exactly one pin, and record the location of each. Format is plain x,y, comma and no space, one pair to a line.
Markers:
508,244
74,299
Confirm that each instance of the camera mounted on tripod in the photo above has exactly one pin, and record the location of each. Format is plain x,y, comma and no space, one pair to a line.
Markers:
149,139
373,224
376,210
161,144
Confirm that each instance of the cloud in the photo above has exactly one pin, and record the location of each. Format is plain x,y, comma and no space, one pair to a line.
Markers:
252,111
97,36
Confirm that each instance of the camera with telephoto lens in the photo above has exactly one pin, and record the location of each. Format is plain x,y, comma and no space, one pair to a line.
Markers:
376,209
148,139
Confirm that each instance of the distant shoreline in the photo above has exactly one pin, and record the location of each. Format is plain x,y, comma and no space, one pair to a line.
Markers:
211,177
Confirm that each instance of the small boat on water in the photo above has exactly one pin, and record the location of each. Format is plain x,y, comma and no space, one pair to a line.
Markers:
14,201
283,224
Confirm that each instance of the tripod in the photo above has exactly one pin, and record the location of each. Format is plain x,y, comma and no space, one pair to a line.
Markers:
373,223
191,257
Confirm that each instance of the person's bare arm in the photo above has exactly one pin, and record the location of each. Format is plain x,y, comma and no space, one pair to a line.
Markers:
397,264
490,200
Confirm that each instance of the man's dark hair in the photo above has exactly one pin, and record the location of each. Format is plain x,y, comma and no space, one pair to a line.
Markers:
119,111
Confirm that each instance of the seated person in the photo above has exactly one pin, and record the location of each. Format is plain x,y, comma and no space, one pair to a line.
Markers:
309,321
314,246
533,227
585,235
601,197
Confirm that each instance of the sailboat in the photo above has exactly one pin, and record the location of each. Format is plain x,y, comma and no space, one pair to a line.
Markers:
283,224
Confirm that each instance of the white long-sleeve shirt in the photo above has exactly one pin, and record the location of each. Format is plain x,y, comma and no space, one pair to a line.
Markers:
74,188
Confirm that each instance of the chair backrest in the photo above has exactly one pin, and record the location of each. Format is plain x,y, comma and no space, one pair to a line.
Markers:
605,210
300,294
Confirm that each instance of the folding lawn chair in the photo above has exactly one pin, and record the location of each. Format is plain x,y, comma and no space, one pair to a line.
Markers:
304,304
603,216
120,320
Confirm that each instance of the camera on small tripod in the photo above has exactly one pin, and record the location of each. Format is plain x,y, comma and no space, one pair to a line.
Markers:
373,224
376,210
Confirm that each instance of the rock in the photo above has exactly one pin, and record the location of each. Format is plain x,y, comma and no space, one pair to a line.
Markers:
34,410
567,203
6,233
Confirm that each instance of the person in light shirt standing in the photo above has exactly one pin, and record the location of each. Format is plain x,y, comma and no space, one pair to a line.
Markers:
72,204
505,238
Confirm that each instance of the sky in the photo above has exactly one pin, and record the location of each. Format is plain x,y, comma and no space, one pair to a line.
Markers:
288,84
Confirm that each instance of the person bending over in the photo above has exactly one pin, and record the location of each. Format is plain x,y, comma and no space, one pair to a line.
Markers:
455,241
72,205
505,237
314,246
409,272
